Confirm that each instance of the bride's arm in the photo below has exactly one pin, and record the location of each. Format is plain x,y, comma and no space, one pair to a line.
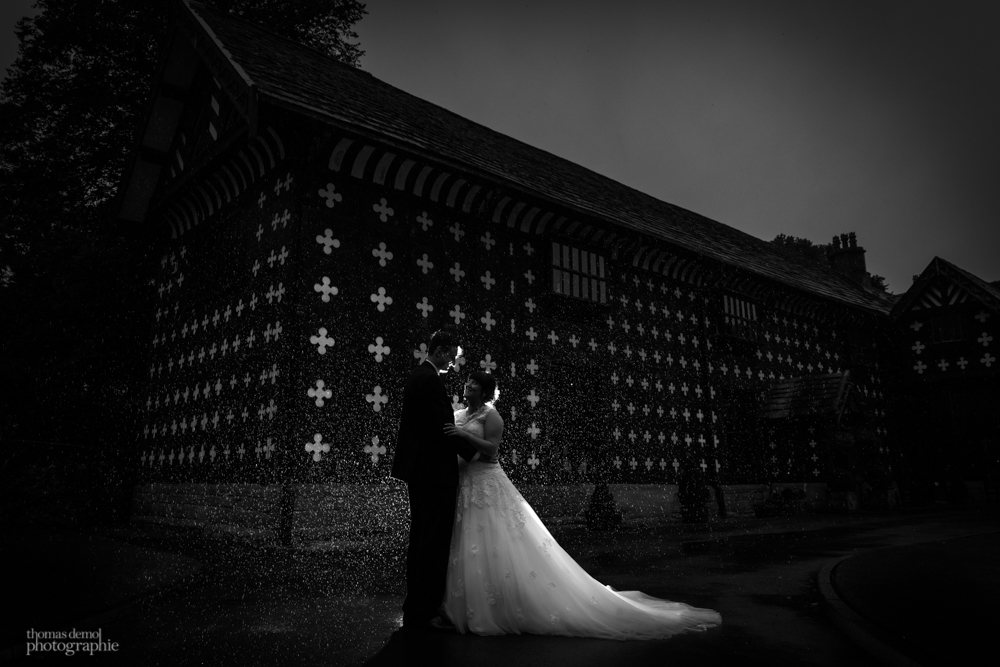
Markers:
488,445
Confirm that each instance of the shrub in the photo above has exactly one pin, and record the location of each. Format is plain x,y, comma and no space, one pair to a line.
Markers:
790,493
839,479
692,489
878,478
602,512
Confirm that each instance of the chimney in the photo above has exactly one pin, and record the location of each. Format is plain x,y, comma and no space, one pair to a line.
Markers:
848,259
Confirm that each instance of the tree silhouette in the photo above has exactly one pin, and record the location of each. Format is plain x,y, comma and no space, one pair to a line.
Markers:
819,252
71,284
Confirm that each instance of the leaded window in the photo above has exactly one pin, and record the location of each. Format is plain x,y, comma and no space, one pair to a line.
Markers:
578,273
739,317
947,328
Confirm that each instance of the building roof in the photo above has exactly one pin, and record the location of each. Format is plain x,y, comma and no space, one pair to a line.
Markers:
987,293
291,75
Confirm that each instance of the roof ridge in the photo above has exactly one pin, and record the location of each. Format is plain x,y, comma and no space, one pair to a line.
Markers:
229,16
232,17
979,282
456,115
951,271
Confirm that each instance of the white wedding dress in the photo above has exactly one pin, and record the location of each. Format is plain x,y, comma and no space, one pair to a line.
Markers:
507,575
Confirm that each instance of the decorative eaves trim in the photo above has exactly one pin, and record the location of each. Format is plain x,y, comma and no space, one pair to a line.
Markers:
978,288
237,84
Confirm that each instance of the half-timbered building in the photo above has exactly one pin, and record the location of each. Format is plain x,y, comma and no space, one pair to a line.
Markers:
949,328
316,225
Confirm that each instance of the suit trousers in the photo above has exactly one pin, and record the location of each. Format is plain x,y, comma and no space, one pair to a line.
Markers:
432,515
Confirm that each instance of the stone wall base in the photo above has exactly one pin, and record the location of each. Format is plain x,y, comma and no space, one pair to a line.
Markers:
358,514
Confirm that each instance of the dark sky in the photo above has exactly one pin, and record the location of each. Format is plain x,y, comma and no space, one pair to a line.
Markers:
807,118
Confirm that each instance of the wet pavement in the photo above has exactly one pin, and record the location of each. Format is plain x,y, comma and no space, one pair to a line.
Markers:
932,602
224,602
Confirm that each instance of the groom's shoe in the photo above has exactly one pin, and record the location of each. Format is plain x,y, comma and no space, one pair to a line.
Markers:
441,624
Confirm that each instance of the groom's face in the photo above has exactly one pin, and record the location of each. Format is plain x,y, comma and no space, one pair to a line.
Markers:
451,356
447,357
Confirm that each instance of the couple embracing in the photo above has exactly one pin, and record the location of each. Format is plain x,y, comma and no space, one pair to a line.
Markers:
479,559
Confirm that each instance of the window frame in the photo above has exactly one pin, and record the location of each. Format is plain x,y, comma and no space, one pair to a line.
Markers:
739,317
947,328
578,273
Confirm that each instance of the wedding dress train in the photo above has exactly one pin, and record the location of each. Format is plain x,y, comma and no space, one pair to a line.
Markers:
507,575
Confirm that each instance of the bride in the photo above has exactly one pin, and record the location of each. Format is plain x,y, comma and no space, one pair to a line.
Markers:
506,573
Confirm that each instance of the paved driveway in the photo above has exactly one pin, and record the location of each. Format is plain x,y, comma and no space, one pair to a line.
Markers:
276,607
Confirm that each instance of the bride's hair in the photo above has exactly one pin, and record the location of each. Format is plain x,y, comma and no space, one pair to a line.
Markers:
488,384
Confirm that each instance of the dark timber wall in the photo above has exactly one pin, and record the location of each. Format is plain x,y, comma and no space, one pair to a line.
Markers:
307,268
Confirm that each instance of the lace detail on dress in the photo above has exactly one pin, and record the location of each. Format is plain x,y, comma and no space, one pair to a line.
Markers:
483,483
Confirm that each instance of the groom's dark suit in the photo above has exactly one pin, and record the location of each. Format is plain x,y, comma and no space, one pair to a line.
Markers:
425,460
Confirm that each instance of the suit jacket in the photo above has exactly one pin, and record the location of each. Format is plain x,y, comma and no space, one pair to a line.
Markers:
424,454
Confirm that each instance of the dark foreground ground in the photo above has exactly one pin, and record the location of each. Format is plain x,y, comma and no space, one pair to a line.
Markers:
904,587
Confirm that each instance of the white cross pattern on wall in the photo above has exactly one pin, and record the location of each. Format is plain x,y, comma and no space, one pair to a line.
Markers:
326,289
330,195
381,299
273,293
377,398
425,221
533,398
375,449
287,184
327,241
383,210
382,254
317,447
321,341
320,393
378,349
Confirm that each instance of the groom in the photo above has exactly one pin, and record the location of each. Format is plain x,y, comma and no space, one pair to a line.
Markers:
425,460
